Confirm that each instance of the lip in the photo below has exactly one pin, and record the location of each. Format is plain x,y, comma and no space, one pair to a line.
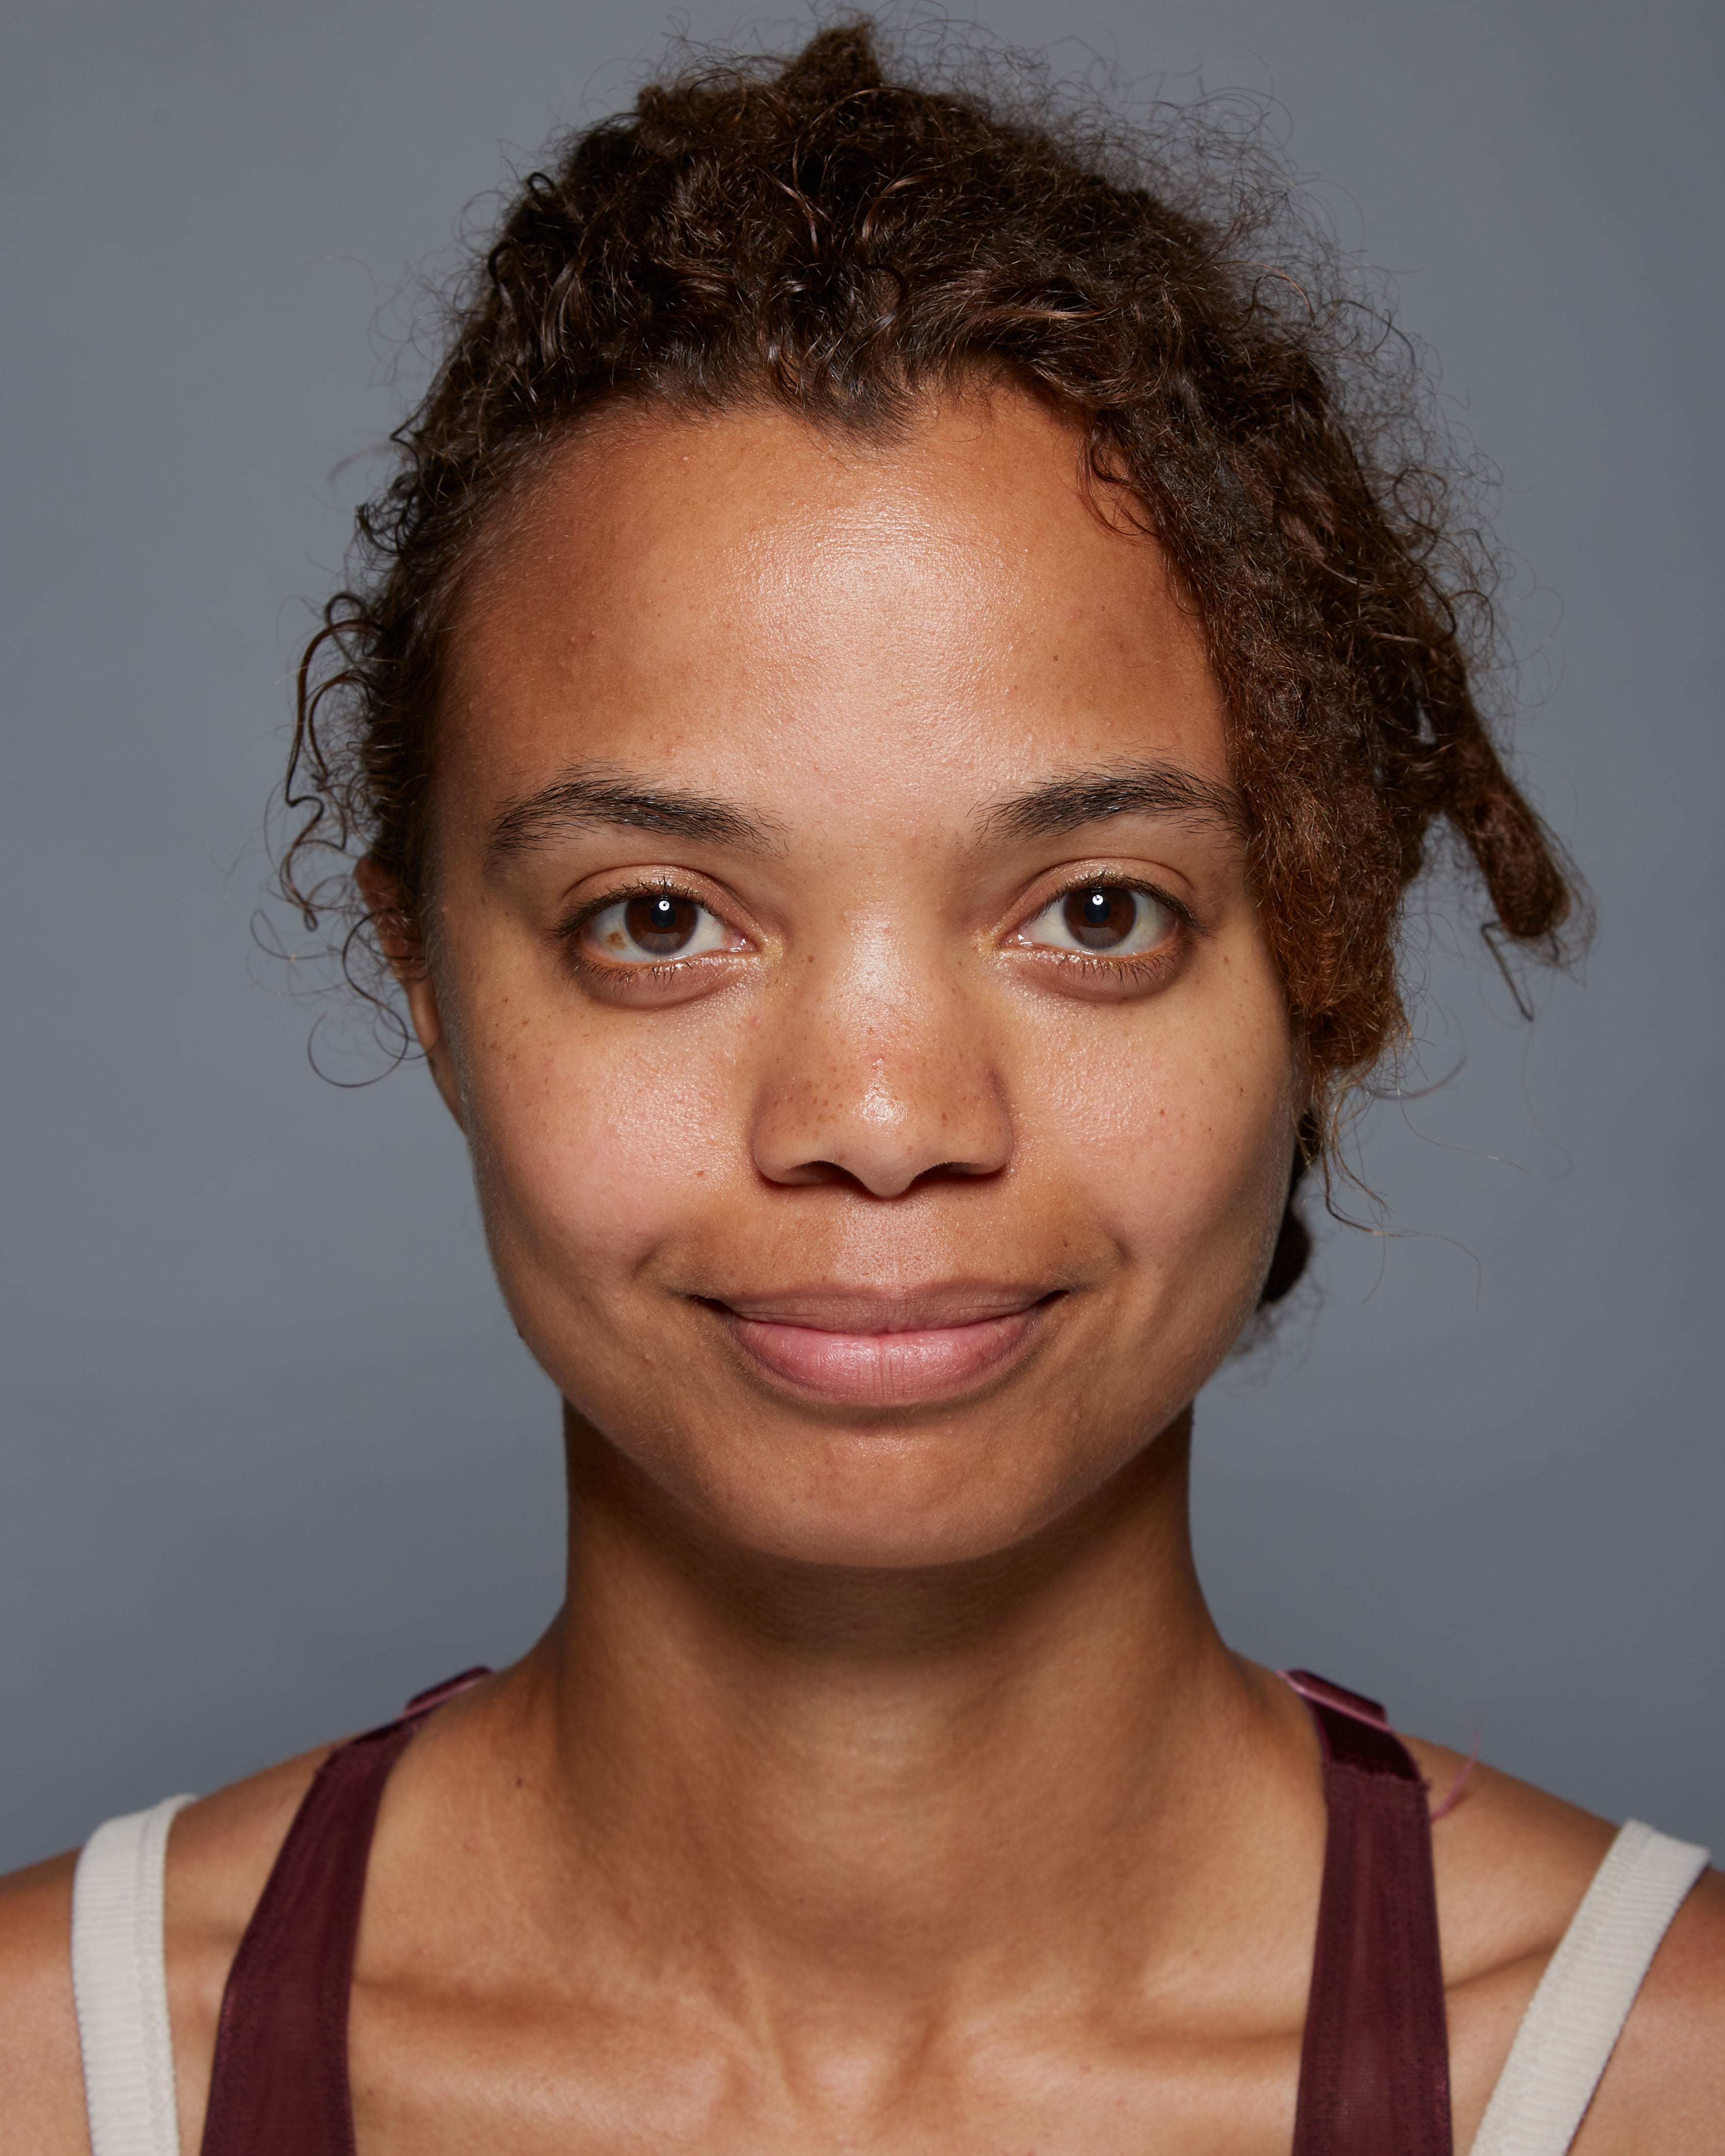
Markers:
864,1347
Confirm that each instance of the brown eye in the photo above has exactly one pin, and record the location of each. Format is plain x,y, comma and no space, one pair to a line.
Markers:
661,924
654,925
1101,919
1111,919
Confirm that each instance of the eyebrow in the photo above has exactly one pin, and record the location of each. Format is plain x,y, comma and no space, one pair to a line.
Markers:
1071,799
603,793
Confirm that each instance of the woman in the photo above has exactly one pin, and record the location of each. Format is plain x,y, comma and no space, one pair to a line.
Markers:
888,715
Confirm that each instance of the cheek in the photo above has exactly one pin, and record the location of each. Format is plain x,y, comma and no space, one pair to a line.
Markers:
587,1158
1180,1138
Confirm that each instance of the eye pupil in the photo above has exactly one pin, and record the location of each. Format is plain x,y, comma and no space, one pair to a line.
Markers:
1102,916
660,922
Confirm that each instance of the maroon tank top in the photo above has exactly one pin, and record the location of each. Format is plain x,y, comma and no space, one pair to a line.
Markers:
1374,2076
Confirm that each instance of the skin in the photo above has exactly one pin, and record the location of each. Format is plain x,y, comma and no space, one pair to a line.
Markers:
883,1785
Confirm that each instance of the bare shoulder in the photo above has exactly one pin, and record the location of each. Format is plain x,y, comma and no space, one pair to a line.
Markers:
221,1849
41,2084
219,1854
1665,2088
1513,1863
218,1859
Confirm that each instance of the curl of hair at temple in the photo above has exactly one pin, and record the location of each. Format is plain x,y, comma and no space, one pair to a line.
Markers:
846,240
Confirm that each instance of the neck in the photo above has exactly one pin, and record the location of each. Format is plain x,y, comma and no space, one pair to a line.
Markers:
882,1789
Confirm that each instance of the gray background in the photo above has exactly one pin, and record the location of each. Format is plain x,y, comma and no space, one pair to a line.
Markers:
272,1456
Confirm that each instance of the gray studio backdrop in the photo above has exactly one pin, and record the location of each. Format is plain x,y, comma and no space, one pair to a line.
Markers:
272,1455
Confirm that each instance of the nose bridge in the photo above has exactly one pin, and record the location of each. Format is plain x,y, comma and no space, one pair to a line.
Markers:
880,1068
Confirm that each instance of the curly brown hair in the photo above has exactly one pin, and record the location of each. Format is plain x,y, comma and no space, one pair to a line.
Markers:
845,239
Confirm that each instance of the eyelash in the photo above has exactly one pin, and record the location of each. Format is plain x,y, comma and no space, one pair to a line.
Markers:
1112,879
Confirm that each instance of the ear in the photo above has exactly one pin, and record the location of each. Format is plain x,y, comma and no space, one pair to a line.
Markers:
395,924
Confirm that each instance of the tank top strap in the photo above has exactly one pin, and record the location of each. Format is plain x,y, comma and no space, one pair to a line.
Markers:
1374,2066
279,2083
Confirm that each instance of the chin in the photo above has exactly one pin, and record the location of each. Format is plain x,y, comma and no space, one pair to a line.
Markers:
897,1502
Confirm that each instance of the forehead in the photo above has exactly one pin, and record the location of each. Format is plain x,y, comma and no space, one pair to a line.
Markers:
758,605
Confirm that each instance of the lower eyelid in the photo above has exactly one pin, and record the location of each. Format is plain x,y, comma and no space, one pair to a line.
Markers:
1117,962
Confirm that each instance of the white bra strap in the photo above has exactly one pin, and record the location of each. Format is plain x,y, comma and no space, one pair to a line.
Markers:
1574,2020
119,1982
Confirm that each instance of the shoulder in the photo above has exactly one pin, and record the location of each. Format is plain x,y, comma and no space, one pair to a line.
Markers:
222,1847
218,1859
1512,1866
41,2082
1664,2088
220,1850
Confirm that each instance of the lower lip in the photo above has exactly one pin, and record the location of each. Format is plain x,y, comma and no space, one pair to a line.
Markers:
885,1369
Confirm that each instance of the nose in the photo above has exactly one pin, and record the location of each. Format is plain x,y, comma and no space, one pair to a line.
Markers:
880,1078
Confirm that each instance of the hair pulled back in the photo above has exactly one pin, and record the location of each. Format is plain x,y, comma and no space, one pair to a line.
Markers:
822,232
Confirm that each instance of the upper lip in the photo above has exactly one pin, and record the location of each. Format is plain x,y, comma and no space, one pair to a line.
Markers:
830,1309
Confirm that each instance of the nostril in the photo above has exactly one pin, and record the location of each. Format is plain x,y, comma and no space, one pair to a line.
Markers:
967,1171
805,1172
812,1173
824,1171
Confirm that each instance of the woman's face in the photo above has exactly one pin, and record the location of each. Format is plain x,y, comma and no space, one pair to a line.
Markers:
843,967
